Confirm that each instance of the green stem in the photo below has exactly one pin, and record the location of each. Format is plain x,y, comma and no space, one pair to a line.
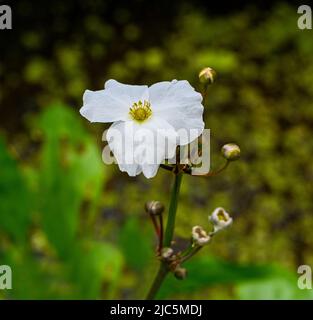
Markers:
160,277
190,254
170,225
172,211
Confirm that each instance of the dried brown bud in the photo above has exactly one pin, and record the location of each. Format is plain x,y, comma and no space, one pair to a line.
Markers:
154,207
180,273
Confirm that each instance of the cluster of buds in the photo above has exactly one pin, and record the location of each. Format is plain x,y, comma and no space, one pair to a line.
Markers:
173,261
199,237
220,220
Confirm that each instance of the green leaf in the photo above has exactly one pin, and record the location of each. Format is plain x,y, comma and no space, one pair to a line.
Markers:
71,172
15,199
274,288
28,280
93,266
207,271
135,244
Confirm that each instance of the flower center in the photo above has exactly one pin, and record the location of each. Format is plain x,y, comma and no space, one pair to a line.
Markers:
221,216
200,232
141,111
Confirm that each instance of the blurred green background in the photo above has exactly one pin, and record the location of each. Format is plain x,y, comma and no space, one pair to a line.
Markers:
73,227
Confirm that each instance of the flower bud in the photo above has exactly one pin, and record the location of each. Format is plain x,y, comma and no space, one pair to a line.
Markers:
154,207
231,151
207,75
180,273
166,253
220,219
199,236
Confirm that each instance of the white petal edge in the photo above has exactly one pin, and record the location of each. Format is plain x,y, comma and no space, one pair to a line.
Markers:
180,105
99,106
126,92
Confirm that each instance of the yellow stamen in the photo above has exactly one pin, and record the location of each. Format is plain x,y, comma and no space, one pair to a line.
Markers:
141,111
221,216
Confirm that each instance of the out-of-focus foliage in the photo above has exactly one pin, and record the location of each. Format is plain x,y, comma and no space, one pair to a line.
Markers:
15,215
273,288
272,282
72,227
67,175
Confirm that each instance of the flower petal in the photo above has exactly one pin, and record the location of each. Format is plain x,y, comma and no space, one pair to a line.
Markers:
126,93
99,106
150,170
165,138
142,147
112,103
122,148
173,94
180,105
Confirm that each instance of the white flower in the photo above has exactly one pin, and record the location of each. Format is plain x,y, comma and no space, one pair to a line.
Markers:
220,219
148,122
199,236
